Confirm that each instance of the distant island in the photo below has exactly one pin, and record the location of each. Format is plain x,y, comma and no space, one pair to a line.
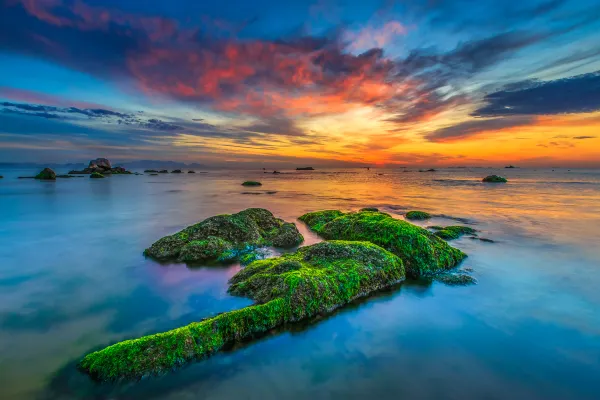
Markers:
305,169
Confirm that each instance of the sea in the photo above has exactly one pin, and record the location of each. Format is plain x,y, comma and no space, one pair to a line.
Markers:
73,279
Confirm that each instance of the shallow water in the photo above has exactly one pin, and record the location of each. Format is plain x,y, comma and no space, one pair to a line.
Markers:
73,279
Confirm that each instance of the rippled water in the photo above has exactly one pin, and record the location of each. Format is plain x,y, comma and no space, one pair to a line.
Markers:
73,279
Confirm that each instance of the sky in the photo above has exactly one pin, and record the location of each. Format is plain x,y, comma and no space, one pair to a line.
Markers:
295,83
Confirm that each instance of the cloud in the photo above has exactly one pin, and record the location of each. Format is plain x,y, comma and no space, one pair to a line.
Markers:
577,94
476,127
584,137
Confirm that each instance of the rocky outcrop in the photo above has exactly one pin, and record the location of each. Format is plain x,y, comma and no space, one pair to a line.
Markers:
101,166
46,174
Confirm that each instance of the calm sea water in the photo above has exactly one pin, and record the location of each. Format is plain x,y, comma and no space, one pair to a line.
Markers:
73,279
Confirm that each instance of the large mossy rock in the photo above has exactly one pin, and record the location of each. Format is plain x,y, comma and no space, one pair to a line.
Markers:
423,253
224,238
314,280
46,174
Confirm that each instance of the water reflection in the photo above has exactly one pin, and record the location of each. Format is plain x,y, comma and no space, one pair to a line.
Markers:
73,279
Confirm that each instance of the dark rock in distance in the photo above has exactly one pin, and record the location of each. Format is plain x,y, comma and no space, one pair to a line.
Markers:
163,171
251,183
370,209
191,172
150,171
494,179
176,171
305,169
46,174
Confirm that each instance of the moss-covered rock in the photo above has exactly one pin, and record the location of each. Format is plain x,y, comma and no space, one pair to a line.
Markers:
226,237
46,174
96,175
251,183
453,232
423,253
316,279
372,209
494,179
417,215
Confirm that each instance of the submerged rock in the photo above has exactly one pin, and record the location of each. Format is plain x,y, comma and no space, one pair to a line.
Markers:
423,253
150,171
46,174
164,171
191,172
494,179
453,232
225,237
176,171
456,279
305,169
417,215
314,280
96,175
251,183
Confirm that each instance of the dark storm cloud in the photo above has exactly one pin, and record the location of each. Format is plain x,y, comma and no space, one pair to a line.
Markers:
578,94
475,127
584,137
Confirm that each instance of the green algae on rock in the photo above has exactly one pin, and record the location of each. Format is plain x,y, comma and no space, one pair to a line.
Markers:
494,179
46,174
314,280
251,183
96,175
453,232
224,238
423,253
417,215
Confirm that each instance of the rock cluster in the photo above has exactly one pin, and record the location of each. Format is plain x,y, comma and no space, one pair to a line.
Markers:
101,166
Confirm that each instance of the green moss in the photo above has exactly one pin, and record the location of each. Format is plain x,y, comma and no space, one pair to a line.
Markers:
494,179
96,175
454,232
226,237
316,279
417,215
251,183
423,253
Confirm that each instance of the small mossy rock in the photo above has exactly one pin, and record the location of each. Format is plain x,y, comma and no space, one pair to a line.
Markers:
314,280
494,179
371,209
423,253
212,248
243,232
46,174
96,175
417,215
454,232
288,236
456,279
251,183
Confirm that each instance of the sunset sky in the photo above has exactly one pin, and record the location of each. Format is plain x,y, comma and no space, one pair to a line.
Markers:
323,83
